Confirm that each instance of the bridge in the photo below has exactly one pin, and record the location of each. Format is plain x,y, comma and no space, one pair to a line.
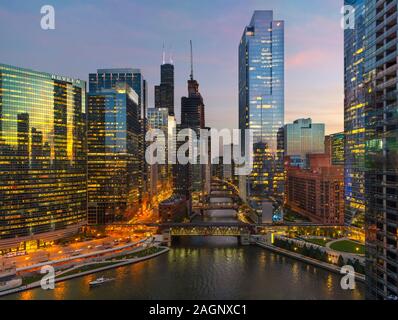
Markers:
198,224
216,206
222,194
226,229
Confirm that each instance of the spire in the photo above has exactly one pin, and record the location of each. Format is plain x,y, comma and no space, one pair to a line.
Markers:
191,76
171,55
163,55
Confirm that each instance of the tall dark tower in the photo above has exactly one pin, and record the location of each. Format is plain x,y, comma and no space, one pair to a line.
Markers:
164,93
192,107
193,117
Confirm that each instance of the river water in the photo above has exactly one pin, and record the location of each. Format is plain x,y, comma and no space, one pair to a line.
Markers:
208,268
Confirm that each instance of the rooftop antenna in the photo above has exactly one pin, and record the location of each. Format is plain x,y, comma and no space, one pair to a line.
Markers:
190,42
171,55
163,55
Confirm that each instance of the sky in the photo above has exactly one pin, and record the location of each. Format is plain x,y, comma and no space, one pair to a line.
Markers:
94,34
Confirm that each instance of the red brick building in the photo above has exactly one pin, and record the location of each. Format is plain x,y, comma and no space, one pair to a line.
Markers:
316,192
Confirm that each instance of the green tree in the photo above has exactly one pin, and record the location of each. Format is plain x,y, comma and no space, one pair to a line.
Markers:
340,262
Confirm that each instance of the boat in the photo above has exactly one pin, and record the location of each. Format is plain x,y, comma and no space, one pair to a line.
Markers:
9,280
100,281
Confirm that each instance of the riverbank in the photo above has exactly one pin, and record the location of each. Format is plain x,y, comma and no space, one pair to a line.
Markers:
314,262
93,267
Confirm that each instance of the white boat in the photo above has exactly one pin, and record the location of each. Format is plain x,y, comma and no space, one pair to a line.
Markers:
11,284
100,281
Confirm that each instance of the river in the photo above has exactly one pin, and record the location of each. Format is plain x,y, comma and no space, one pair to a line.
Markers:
208,268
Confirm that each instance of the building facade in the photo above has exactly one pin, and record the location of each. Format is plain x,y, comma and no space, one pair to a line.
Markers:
193,117
354,116
334,146
173,209
303,137
42,157
160,119
113,139
107,79
316,192
261,101
381,148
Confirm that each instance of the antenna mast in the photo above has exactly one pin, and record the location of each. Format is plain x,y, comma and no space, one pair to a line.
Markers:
163,55
190,42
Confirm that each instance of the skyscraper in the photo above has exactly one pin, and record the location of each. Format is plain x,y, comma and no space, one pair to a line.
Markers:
334,146
42,157
159,118
303,137
381,148
107,79
261,101
164,93
354,116
193,117
114,152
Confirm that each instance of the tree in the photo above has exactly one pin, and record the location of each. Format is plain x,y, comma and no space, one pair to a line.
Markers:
340,262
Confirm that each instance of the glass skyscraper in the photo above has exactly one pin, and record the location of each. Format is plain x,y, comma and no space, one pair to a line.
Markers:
107,79
114,149
159,118
302,137
42,157
261,102
381,148
354,116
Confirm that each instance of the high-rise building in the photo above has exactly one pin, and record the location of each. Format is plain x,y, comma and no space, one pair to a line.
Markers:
303,137
193,108
107,79
381,148
354,116
113,136
182,175
334,146
261,101
159,118
164,93
43,192
316,192
193,117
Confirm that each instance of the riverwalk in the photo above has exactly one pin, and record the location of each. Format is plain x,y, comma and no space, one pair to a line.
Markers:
314,262
108,264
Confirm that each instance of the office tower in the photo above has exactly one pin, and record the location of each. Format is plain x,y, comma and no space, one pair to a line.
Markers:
159,118
42,157
164,93
107,79
182,175
261,101
316,192
113,138
334,147
381,148
303,137
193,117
354,116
